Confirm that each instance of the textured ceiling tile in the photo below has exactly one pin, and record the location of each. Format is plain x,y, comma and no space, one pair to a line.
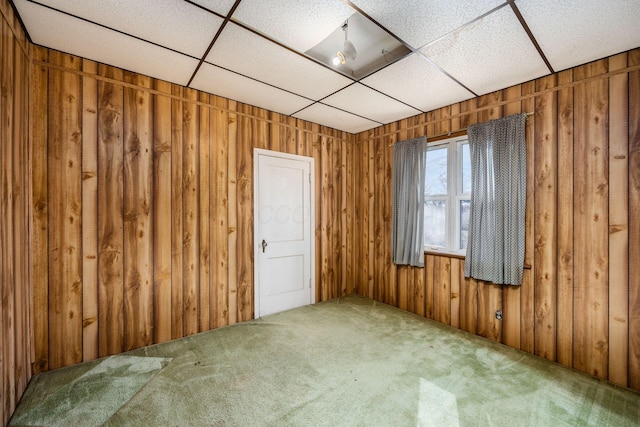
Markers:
175,24
490,54
418,22
415,81
299,24
224,83
62,32
573,32
219,6
341,120
246,53
366,102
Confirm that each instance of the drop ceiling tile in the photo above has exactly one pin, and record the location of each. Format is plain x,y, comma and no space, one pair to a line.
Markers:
175,24
246,53
219,6
62,32
573,32
369,103
337,119
230,85
490,54
415,81
418,22
299,24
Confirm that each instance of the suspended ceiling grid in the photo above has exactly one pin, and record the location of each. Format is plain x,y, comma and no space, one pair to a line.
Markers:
253,51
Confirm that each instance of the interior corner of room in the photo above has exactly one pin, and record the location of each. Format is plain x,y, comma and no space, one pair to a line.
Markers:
127,195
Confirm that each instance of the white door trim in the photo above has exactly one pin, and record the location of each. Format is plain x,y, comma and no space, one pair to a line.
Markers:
257,152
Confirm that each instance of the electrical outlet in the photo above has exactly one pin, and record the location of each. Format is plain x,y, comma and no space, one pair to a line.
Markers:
499,314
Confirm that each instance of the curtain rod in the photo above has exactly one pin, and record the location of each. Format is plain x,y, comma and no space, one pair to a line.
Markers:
450,132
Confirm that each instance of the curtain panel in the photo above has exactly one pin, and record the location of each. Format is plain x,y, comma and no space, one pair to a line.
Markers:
407,226
495,249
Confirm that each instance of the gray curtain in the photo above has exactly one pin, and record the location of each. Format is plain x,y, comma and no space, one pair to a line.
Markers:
407,232
495,249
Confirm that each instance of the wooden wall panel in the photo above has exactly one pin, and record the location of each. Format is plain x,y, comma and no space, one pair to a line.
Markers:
110,212
65,213
578,301
16,211
634,222
565,221
89,213
138,179
157,179
545,210
618,221
591,221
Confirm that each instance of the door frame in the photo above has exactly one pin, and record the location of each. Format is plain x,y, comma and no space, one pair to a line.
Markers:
257,152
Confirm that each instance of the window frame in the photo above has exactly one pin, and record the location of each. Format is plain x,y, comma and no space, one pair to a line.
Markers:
454,196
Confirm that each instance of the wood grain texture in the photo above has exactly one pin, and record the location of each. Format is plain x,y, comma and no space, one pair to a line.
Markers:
190,209
591,217
162,269
17,208
565,221
204,214
618,222
442,289
245,215
38,119
232,214
65,213
177,213
527,295
110,213
138,202
634,222
545,210
90,291
219,247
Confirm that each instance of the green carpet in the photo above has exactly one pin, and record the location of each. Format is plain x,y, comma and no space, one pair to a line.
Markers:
349,361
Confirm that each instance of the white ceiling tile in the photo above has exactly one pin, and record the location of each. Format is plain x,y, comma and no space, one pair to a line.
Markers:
573,32
175,24
219,6
490,54
417,82
224,83
366,102
337,119
62,32
299,24
246,53
418,22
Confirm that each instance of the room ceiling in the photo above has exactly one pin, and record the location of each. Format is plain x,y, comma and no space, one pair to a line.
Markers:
253,51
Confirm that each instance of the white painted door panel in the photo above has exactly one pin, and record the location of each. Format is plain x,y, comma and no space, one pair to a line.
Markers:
283,231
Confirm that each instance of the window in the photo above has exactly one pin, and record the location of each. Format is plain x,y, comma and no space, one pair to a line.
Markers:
447,196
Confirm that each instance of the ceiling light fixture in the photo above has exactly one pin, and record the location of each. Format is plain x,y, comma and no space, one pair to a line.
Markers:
348,50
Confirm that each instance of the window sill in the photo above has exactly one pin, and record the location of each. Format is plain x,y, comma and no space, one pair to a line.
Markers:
444,253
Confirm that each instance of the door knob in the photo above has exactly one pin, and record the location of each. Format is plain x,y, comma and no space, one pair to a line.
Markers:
264,245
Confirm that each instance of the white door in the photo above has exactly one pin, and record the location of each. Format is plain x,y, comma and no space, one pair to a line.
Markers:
283,229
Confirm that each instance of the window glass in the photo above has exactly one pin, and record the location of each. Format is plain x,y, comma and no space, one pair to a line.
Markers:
447,196
466,169
435,223
464,208
436,176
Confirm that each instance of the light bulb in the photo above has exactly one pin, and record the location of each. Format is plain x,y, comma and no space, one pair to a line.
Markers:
339,59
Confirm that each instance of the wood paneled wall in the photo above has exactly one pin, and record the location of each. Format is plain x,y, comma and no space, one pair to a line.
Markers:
143,198
15,349
579,303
